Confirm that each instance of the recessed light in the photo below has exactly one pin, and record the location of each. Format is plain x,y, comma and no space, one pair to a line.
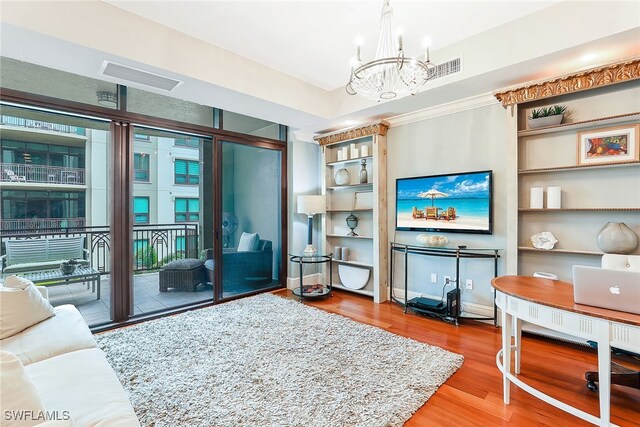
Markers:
589,57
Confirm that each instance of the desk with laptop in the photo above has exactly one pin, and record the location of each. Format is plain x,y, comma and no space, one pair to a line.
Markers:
602,305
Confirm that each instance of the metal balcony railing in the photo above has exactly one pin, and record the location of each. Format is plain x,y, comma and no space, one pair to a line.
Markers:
17,172
37,124
154,244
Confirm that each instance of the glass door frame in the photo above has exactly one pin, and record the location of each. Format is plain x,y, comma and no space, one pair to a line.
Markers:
282,272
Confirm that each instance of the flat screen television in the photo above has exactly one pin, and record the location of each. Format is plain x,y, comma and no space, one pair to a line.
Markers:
455,203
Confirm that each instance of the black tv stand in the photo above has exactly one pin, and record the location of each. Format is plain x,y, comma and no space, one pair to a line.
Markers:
448,310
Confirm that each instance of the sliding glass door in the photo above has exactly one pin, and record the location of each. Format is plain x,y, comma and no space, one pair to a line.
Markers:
251,225
172,219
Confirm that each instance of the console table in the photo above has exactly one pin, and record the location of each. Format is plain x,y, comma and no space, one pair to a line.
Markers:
458,253
549,303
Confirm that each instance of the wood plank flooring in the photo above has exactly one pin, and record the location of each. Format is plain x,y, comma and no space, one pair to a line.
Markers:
473,395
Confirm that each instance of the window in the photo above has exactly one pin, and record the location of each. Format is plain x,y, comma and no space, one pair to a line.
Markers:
141,137
188,142
141,167
187,210
187,172
180,244
141,210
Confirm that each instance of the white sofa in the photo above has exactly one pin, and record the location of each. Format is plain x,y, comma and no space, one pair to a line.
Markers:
69,372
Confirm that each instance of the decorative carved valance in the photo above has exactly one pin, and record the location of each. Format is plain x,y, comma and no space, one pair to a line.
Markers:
379,128
595,77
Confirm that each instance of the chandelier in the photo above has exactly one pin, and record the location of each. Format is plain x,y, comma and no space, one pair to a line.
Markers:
390,75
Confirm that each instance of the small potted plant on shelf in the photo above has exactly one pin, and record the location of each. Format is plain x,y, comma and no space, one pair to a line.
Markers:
68,267
546,116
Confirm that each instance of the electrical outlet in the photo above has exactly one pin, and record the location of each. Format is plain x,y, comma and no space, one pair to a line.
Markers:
469,284
434,278
447,280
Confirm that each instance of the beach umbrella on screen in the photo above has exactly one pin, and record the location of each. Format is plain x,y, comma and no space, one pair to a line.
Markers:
433,193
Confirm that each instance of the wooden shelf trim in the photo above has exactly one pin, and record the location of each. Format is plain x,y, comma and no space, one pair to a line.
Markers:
349,210
349,237
356,160
581,124
580,210
341,187
569,168
559,251
354,263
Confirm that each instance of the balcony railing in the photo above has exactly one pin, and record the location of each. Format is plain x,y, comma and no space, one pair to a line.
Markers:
37,124
18,172
38,225
154,245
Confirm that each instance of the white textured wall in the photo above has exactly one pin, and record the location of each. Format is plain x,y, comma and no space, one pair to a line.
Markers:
459,142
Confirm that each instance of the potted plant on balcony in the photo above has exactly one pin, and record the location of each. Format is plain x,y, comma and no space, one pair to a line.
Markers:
546,116
68,267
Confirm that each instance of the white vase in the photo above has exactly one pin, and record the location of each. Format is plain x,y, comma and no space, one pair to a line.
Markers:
617,238
541,122
342,177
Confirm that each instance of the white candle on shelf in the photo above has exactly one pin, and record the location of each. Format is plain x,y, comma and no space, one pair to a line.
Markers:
354,153
340,158
364,150
554,197
536,198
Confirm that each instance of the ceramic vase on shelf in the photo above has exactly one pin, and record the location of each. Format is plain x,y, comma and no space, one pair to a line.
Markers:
617,238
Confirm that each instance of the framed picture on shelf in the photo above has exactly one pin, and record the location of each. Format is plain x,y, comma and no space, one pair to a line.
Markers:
608,145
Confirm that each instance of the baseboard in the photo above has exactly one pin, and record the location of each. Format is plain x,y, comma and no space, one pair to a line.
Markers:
479,310
311,279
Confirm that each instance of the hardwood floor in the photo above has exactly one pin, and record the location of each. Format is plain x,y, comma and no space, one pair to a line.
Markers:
473,395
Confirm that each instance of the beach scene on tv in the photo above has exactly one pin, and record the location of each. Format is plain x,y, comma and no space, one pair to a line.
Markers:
457,202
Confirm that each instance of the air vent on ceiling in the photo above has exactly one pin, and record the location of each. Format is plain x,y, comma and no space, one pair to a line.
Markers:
449,67
124,72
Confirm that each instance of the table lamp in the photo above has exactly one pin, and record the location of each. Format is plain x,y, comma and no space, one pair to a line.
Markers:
310,206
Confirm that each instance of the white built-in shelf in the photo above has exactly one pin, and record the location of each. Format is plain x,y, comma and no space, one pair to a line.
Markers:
354,263
349,237
559,251
342,187
348,210
356,291
580,210
356,160
601,121
571,168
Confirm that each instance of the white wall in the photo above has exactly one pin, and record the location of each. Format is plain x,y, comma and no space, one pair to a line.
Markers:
458,142
303,178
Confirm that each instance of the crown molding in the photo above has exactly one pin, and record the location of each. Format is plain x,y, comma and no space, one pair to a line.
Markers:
595,77
460,105
377,128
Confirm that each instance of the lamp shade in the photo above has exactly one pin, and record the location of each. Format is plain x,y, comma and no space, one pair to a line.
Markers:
311,205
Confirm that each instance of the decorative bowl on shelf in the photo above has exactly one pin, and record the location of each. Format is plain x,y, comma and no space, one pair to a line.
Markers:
342,177
432,240
353,277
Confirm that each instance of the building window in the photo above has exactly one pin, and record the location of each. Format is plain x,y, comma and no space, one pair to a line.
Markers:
187,210
187,172
187,142
180,244
141,210
141,167
141,137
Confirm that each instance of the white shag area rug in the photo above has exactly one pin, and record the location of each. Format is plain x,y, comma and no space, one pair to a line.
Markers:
270,361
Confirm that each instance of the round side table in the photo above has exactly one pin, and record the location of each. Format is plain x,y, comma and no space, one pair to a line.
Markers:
316,290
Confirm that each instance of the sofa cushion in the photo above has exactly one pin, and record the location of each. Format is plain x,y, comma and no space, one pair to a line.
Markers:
63,333
21,306
248,242
18,393
83,383
184,264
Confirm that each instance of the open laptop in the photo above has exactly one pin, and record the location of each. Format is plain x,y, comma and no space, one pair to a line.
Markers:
605,288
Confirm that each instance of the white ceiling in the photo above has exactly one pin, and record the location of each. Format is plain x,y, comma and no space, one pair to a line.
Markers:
315,40
287,61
